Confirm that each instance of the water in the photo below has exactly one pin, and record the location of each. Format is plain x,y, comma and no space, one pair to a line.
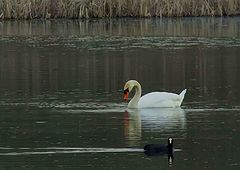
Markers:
61,98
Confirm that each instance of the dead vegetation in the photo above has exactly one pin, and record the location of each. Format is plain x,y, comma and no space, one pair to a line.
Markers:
30,9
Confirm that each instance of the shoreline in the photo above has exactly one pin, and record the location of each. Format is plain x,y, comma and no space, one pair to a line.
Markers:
136,27
78,9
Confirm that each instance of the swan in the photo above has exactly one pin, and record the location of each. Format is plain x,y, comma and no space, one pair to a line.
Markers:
153,99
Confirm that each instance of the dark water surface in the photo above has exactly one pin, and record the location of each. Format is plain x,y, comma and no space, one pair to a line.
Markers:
61,101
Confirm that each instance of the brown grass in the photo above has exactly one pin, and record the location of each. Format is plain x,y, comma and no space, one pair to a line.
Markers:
29,9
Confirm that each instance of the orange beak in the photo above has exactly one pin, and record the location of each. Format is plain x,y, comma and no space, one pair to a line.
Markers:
126,93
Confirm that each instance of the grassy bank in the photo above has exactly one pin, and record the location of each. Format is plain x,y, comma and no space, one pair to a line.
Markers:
29,9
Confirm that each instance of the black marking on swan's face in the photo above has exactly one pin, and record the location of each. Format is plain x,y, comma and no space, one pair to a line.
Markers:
126,91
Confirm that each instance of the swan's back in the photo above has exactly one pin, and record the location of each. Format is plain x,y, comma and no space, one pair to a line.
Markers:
161,99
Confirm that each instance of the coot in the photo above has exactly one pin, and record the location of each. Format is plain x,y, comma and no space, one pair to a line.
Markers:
158,149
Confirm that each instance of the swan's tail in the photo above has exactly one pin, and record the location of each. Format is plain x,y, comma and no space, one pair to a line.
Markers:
182,94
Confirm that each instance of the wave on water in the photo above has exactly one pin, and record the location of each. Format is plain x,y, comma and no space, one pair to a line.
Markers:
63,150
103,107
209,110
59,150
124,42
89,107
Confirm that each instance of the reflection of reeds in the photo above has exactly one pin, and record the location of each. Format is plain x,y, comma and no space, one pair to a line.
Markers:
29,9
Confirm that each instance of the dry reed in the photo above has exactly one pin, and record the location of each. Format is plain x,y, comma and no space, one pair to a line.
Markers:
29,9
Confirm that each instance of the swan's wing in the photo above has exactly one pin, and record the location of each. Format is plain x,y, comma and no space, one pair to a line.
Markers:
160,99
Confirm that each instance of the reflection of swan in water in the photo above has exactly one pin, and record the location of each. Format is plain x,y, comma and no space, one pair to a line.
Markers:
164,120
132,128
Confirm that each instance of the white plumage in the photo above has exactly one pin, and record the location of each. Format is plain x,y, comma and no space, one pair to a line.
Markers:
153,99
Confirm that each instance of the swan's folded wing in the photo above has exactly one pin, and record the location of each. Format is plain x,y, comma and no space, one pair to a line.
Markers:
159,99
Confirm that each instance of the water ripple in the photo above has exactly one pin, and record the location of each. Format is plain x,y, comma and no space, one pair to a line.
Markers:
56,150
65,150
120,43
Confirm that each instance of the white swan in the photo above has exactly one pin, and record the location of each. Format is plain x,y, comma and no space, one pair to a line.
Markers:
153,99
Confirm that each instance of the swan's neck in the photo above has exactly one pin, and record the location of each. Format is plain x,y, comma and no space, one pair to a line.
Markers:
134,102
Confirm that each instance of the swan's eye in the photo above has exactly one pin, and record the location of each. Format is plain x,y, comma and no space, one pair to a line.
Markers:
126,91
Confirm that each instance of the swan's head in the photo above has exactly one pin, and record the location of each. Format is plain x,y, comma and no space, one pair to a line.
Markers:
128,88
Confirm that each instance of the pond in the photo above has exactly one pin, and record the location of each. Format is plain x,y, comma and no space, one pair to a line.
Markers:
61,93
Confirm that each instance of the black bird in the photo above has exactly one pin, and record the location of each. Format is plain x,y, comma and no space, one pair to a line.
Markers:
158,149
